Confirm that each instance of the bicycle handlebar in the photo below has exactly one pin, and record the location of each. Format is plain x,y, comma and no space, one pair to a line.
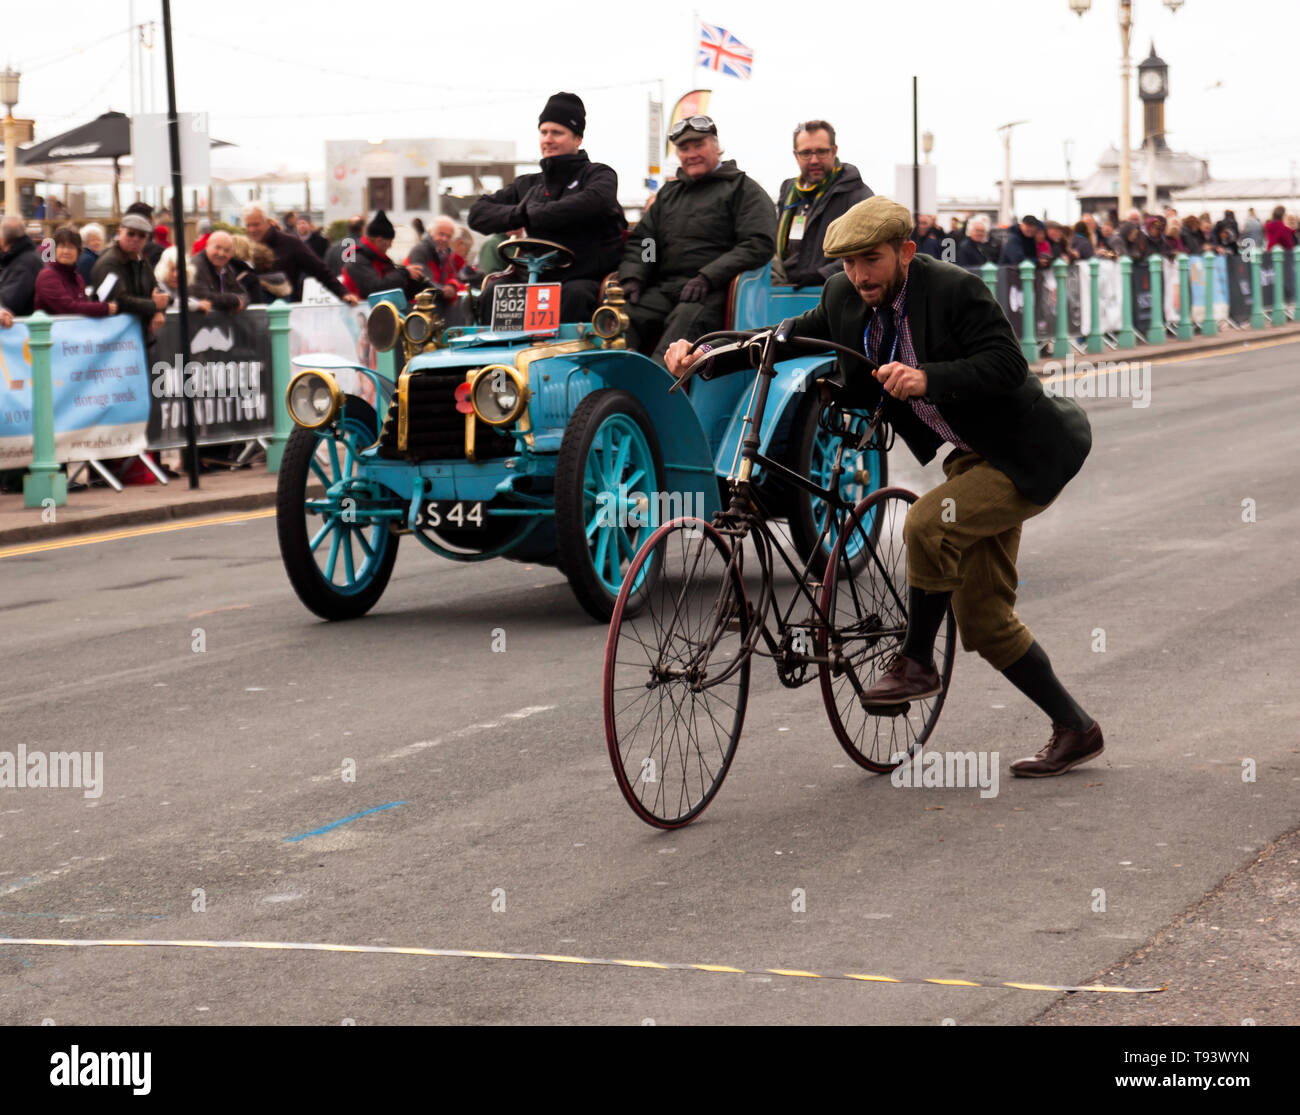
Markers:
759,341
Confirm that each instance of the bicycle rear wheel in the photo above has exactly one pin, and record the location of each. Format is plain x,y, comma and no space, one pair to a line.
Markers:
676,673
867,606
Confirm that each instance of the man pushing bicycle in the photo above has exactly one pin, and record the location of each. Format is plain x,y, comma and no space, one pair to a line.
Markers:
951,371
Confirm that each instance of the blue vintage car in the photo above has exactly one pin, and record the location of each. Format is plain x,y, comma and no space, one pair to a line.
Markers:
566,449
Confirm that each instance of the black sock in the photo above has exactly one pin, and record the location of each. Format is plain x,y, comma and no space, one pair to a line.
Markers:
925,612
1032,675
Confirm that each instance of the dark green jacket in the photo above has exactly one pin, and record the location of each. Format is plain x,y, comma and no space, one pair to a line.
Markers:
976,375
716,226
135,285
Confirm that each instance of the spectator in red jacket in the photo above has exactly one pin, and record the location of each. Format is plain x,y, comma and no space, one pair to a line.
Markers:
373,270
1276,232
59,288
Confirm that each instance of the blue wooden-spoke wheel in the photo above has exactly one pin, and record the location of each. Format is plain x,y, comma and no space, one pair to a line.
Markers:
608,498
338,556
814,457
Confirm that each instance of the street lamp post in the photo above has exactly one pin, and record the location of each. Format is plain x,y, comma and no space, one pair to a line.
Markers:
9,95
1125,72
1004,208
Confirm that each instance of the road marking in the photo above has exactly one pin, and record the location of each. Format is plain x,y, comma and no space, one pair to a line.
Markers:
133,532
18,884
468,730
214,611
344,821
549,958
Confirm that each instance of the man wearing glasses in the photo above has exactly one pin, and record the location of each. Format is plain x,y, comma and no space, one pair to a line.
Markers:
806,205
134,289
706,226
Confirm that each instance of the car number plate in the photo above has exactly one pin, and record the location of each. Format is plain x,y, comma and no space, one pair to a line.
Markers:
442,514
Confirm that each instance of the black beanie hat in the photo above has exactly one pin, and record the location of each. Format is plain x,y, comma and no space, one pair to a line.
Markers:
567,110
381,226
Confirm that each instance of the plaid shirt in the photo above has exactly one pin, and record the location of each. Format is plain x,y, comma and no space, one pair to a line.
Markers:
904,350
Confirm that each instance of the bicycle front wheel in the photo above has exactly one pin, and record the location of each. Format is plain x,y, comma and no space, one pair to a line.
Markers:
677,673
866,603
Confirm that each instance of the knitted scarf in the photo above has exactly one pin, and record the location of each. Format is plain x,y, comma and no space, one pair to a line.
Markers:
797,198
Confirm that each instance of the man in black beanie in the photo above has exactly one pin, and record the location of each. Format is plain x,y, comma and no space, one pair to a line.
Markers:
372,269
573,202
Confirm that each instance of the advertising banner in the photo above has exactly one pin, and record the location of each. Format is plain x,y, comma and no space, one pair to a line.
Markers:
228,377
100,385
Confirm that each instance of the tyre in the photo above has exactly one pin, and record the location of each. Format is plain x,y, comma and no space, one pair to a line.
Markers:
338,560
866,603
607,483
812,455
677,674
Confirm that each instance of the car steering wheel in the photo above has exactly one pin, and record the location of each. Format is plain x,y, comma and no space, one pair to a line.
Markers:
535,256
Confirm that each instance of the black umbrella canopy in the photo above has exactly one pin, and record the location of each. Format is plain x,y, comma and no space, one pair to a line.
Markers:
105,137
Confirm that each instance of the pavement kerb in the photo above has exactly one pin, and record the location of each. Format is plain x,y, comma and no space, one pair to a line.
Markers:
1235,339
41,532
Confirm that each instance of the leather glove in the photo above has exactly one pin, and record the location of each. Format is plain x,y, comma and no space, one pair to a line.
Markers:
694,290
631,289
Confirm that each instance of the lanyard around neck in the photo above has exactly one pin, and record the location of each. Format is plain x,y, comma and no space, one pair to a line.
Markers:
893,349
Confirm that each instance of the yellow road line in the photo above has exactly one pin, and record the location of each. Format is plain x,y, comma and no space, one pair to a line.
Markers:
551,958
133,532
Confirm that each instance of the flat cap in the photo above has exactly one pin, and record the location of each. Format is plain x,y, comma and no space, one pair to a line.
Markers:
870,222
137,223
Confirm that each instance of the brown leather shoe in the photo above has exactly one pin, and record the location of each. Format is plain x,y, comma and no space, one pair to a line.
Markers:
905,679
1067,748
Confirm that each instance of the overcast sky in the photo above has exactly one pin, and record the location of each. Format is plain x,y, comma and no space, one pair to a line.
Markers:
284,77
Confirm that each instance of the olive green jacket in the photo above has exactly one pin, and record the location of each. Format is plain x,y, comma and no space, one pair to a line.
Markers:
717,226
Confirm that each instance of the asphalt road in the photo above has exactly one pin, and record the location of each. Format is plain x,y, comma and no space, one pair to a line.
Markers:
213,760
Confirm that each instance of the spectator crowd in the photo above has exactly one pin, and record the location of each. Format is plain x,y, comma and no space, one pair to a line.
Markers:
1139,236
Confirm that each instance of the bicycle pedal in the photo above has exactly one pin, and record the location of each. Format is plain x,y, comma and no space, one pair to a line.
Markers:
888,710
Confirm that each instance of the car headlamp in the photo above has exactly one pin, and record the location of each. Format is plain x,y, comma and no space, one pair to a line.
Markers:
314,399
498,394
384,326
609,321
417,328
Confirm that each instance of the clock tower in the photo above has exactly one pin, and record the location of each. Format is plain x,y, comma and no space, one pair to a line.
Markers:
1153,88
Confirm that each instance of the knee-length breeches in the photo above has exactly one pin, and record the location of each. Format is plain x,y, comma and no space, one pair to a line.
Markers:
963,538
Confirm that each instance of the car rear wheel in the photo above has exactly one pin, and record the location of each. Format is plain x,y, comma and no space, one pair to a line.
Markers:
608,481
813,455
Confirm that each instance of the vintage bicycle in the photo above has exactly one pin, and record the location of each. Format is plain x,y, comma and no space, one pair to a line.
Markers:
677,661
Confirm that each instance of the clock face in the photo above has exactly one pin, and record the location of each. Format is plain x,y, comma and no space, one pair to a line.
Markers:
1151,82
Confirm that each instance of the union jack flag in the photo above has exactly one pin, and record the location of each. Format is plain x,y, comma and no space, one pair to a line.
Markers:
720,50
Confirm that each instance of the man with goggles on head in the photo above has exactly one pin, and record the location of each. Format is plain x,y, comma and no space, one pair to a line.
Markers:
707,225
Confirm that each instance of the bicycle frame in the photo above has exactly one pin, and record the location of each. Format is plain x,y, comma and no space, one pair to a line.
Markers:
738,521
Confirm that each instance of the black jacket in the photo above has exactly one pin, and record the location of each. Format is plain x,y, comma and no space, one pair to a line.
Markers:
931,244
222,288
976,373
717,226
807,265
371,270
573,202
20,263
1018,247
297,261
974,253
